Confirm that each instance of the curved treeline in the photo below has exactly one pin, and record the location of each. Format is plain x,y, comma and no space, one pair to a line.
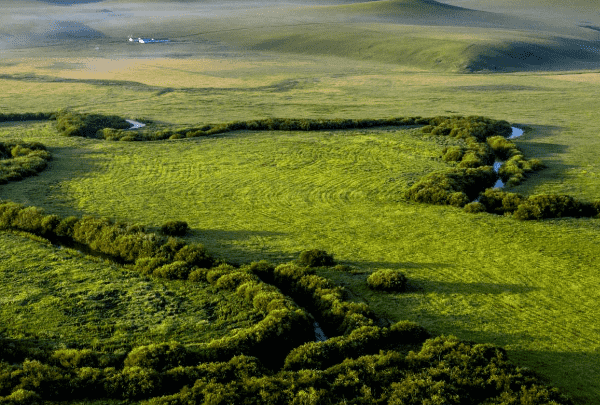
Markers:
472,172
22,159
274,361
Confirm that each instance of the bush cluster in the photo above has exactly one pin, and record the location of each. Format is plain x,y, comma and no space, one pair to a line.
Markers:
536,207
316,258
22,159
361,341
454,187
516,166
485,141
174,228
387,280
71,123
444,370
319,295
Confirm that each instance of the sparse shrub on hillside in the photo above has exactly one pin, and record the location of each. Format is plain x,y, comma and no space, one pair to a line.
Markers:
174,228
387,280
316,258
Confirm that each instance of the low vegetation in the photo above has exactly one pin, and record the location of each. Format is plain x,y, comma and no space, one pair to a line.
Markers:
387,280
22,159
246,363
265,361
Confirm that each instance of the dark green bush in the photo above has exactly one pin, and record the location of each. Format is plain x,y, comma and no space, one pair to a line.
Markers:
71,123
497,201
316,258
548,206
174,228
173,271
456,187
133,383
40,116
194,255
159,356
74,358
22,159
387,280
474,207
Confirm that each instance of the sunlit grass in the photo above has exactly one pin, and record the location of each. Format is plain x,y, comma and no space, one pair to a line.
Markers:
63,297
530,287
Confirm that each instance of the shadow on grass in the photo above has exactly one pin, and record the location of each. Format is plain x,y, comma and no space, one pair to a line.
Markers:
446,287
44,189
240,247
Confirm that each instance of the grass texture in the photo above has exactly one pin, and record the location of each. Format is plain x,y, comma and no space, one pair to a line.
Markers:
530,287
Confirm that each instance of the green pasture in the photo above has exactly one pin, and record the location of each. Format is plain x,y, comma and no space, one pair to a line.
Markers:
256,195
531,287
59,296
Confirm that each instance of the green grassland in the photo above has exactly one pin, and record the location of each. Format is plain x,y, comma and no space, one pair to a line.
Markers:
58,294
530,287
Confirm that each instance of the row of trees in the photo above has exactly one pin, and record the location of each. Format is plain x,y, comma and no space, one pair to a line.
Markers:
444,371
39,116
536,207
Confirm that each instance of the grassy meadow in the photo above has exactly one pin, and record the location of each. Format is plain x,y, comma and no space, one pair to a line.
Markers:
530,287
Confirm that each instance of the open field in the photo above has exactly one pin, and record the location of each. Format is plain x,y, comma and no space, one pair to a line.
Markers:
530,287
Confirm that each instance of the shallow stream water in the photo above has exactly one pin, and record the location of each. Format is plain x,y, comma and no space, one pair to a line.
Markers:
516,132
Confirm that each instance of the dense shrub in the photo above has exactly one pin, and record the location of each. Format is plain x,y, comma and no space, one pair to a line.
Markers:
21,397
174,228
453,154
40,116
549,206
499,202
387,280
315,258
159,356
178,270
474,207
361,341
71,123
19,160
194,255
73,358
456,187
133,383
